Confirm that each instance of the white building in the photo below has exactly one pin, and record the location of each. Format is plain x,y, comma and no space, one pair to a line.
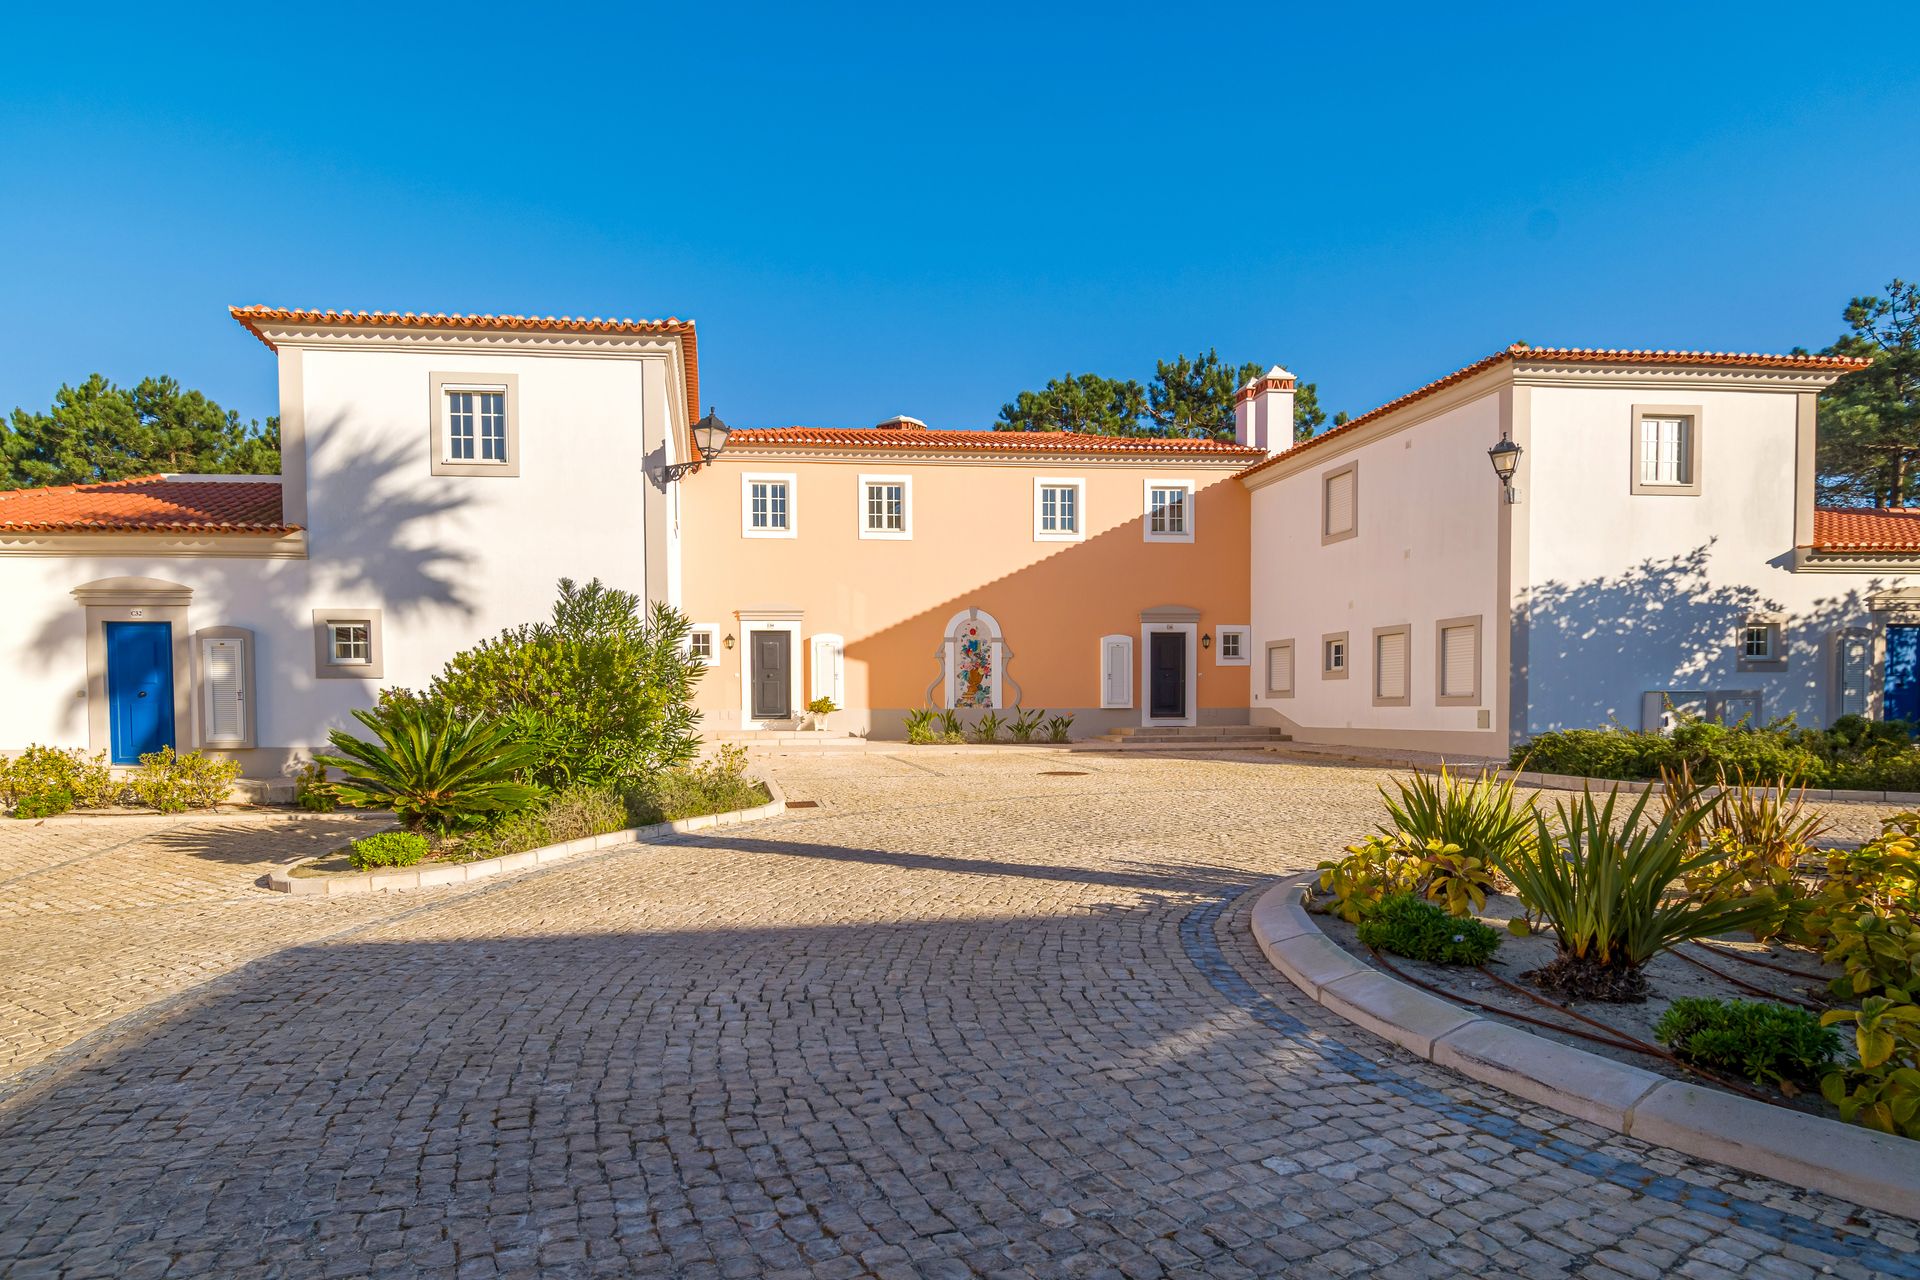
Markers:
440,474
1661,541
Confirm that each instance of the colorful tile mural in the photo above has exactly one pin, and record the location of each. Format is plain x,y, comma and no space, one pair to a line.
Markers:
973,682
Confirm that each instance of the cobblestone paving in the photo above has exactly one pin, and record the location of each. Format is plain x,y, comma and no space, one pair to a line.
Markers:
962,1019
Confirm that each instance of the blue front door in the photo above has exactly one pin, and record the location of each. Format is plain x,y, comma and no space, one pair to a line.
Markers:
139,688
1902,701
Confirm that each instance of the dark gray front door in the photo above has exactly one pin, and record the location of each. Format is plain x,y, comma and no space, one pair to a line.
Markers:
1167,683
772,683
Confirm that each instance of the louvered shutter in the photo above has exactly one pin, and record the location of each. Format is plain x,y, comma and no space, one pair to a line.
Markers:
1457,662
224,680
829,669
1116,671
1280,668
1390,665
1340,503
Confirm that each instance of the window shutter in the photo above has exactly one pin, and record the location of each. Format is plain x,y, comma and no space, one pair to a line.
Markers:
829,669
1457,662
224,689
1116,672
1390,665
1280,668
1340,503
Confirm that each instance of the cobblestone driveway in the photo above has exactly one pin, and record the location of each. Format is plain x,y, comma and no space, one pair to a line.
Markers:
964,1018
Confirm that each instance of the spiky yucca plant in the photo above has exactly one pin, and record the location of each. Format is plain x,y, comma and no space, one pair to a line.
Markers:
431,767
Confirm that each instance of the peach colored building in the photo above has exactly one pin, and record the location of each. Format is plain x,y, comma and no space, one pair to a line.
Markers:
895,567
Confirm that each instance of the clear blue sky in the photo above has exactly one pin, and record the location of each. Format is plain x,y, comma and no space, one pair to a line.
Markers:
923,209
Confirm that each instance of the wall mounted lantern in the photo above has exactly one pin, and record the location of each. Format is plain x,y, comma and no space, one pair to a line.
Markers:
710,438
729,641
1505,457
1206,641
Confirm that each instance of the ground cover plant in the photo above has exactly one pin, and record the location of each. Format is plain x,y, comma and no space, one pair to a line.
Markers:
387,849
1419,930
1756,1040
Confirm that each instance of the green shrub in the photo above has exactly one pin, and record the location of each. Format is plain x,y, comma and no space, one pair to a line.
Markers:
432,768
1374,870
602,692
717,785
1406,926
388,849
1607,886
1059,728
1854,753
1026,723
950,726
822,707
1766,1043
174,783
313,791
573,814
920,727
87,780
988,729
43,804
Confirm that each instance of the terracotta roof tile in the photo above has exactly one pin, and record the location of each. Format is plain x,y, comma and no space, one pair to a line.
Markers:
1578,355
147,504
253,316
890,439
1862,529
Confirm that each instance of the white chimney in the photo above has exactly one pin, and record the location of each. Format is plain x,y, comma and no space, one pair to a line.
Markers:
1263,412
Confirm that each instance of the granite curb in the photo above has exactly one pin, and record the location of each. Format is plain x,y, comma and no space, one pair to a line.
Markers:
1873,1169
283,881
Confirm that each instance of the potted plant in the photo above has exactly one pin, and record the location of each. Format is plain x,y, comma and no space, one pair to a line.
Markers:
819,709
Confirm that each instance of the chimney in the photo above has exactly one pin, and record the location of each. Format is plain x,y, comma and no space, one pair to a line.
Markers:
901,422
1263,412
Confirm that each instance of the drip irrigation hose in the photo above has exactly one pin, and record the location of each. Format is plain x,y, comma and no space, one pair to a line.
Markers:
1748,987
1764,964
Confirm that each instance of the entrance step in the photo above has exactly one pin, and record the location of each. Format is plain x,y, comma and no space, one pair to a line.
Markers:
1205,737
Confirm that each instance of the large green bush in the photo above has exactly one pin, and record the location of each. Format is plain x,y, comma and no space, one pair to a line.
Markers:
601,693
41,774
433,768
1855,753
173,783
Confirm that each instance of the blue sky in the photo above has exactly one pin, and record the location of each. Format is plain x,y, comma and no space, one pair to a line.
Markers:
924,209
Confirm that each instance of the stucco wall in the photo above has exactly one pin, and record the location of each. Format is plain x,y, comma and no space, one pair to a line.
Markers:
1639,592
1427,549
972,545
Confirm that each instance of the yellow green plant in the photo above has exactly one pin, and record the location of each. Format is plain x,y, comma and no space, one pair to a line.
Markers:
1374,870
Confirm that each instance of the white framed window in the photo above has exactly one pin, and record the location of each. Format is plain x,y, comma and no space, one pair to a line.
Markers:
1666,449
1391,678
1279,668
1235,646
1333,656
1756,642
1340,503
347,644
769,505
1059,509
476,429
886,507
1169,511
702,641
1761,643
1456,676
1116,671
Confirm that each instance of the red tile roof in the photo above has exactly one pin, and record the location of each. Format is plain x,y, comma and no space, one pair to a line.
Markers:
1579,355
898,440
253,316
148,504
1864,529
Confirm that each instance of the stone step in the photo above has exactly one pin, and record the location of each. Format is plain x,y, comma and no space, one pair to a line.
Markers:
1195,731
1110,743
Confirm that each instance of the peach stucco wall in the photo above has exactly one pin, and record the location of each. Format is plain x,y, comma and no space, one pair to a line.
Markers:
972,545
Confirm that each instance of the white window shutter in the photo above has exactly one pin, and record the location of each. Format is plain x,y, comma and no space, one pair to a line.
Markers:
1457,662
1116,671
829,669
1280,668
1340,503
1390,656
224,683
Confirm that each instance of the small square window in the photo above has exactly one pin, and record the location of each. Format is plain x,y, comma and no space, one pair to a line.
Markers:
1761,644
1229,644
1235,646
700,645
1333,655
1756,643
346,644
350,643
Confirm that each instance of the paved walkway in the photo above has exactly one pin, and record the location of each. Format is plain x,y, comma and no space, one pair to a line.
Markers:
964,1018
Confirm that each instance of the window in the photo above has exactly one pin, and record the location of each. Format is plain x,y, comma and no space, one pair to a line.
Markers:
1059,509
1340,504
347,644
1457,662
1761,644
1169,511
1390,665
886,507
767,505
700,644
1666,449
1236,646
1280,668
475,424
1333,656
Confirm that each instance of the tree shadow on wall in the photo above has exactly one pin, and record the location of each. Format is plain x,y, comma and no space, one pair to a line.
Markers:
1596,645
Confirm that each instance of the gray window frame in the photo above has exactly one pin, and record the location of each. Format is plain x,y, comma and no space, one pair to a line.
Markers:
325,668
1776,627
439,384
1326,508
1405,630
1696,434
1346,655
1441,698
1266,669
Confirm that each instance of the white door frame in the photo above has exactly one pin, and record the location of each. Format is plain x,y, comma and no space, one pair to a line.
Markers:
796,660
1192,632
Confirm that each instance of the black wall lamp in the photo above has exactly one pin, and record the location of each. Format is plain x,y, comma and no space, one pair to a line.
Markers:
1505,457
710,438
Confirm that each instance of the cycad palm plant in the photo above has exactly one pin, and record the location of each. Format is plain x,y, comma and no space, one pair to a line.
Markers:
1610,888
431,767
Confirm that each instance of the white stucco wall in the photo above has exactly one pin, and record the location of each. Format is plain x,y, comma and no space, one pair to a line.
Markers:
446,560
1632,593
1427,549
